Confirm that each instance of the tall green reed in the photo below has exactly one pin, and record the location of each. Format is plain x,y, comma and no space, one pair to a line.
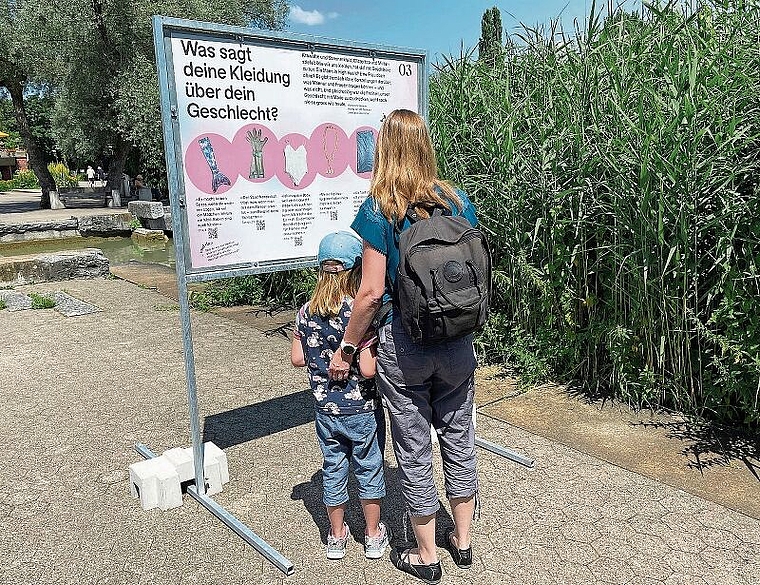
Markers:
616,171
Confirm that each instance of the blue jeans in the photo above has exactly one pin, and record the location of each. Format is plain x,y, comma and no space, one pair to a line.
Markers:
357,438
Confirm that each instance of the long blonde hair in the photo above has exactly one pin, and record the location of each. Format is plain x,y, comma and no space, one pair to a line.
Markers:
405,168
332,288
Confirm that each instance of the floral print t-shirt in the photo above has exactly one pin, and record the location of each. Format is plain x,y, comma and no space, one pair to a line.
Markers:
320,338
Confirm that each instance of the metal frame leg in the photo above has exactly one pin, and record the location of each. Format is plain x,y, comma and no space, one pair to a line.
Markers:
232,522
504,452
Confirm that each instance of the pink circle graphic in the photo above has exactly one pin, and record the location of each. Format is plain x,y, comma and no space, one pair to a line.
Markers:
362,144
329,150
293,169
198,167
250,165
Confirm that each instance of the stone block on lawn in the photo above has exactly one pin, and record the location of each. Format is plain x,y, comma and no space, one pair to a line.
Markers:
15,301
146,209
65,265
70,306
146,236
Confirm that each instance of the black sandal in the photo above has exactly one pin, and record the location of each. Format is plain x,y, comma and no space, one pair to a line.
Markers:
428,573
462,557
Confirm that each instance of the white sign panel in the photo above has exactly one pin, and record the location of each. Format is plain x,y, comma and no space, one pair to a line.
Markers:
277,142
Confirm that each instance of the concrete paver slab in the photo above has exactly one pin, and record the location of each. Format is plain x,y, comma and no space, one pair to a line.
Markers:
72,307
117,377
15,301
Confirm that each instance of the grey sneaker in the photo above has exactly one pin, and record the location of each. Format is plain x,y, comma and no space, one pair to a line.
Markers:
336,547
374,546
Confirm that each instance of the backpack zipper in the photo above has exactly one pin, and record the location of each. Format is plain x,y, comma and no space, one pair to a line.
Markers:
469,235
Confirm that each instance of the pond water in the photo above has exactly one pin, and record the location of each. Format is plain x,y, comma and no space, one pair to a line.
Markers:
119,251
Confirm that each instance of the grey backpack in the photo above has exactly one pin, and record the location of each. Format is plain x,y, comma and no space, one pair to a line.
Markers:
443,282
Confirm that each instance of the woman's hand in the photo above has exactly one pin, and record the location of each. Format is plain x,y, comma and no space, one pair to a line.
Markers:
338,368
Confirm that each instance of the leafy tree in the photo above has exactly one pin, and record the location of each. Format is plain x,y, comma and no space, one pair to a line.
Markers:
98,57
8,125
490,47
15,72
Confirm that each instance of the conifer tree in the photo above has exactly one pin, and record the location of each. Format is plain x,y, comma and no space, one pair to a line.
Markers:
490,48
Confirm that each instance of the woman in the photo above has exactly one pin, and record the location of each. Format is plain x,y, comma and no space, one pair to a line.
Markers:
421,385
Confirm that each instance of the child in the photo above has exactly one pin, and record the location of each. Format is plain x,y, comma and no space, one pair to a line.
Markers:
349,422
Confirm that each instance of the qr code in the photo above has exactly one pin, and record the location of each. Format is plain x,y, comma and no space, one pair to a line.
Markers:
261,224
333,216
298,240
213,233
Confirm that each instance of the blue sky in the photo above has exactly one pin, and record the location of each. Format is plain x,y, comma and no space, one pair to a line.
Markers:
438,26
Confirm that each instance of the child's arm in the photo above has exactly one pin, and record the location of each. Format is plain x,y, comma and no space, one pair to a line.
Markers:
297,357
296,353
368,355
368,361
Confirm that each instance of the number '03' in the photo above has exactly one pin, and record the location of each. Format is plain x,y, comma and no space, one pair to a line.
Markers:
405,69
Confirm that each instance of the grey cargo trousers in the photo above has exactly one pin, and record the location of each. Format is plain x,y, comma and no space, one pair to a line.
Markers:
421,385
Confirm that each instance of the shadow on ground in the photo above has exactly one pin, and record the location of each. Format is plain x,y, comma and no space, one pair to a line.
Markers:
709,445
705,444
240,425
310,492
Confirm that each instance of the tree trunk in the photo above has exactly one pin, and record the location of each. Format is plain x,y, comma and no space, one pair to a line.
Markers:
36,158
116,168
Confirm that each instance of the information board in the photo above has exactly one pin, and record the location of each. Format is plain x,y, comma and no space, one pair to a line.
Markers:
274,137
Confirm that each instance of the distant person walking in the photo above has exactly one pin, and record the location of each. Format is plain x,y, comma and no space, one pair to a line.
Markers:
101,174
91,175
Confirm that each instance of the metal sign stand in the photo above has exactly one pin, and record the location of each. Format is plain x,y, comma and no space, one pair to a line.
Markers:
163,28
231,521
504,452
198,491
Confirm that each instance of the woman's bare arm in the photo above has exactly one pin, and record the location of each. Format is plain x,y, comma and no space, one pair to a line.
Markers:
368,300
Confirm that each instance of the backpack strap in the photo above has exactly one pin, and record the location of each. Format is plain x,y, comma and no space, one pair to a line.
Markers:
381,316
411,215
433,211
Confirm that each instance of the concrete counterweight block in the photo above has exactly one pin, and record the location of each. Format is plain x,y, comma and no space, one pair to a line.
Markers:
215,469
156,482
182,460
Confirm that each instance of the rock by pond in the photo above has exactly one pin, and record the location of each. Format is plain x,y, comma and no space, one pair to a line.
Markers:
64,265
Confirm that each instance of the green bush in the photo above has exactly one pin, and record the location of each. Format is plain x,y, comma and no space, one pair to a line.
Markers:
41,301
279,290
616,173
62,176
3,304
7,185
26,180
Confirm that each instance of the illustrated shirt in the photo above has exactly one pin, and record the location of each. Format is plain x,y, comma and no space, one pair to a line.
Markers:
320,339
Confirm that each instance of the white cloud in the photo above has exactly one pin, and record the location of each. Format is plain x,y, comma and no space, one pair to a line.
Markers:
309,17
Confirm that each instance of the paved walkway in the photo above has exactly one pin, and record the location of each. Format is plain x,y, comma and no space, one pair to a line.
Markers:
77,393
23,206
